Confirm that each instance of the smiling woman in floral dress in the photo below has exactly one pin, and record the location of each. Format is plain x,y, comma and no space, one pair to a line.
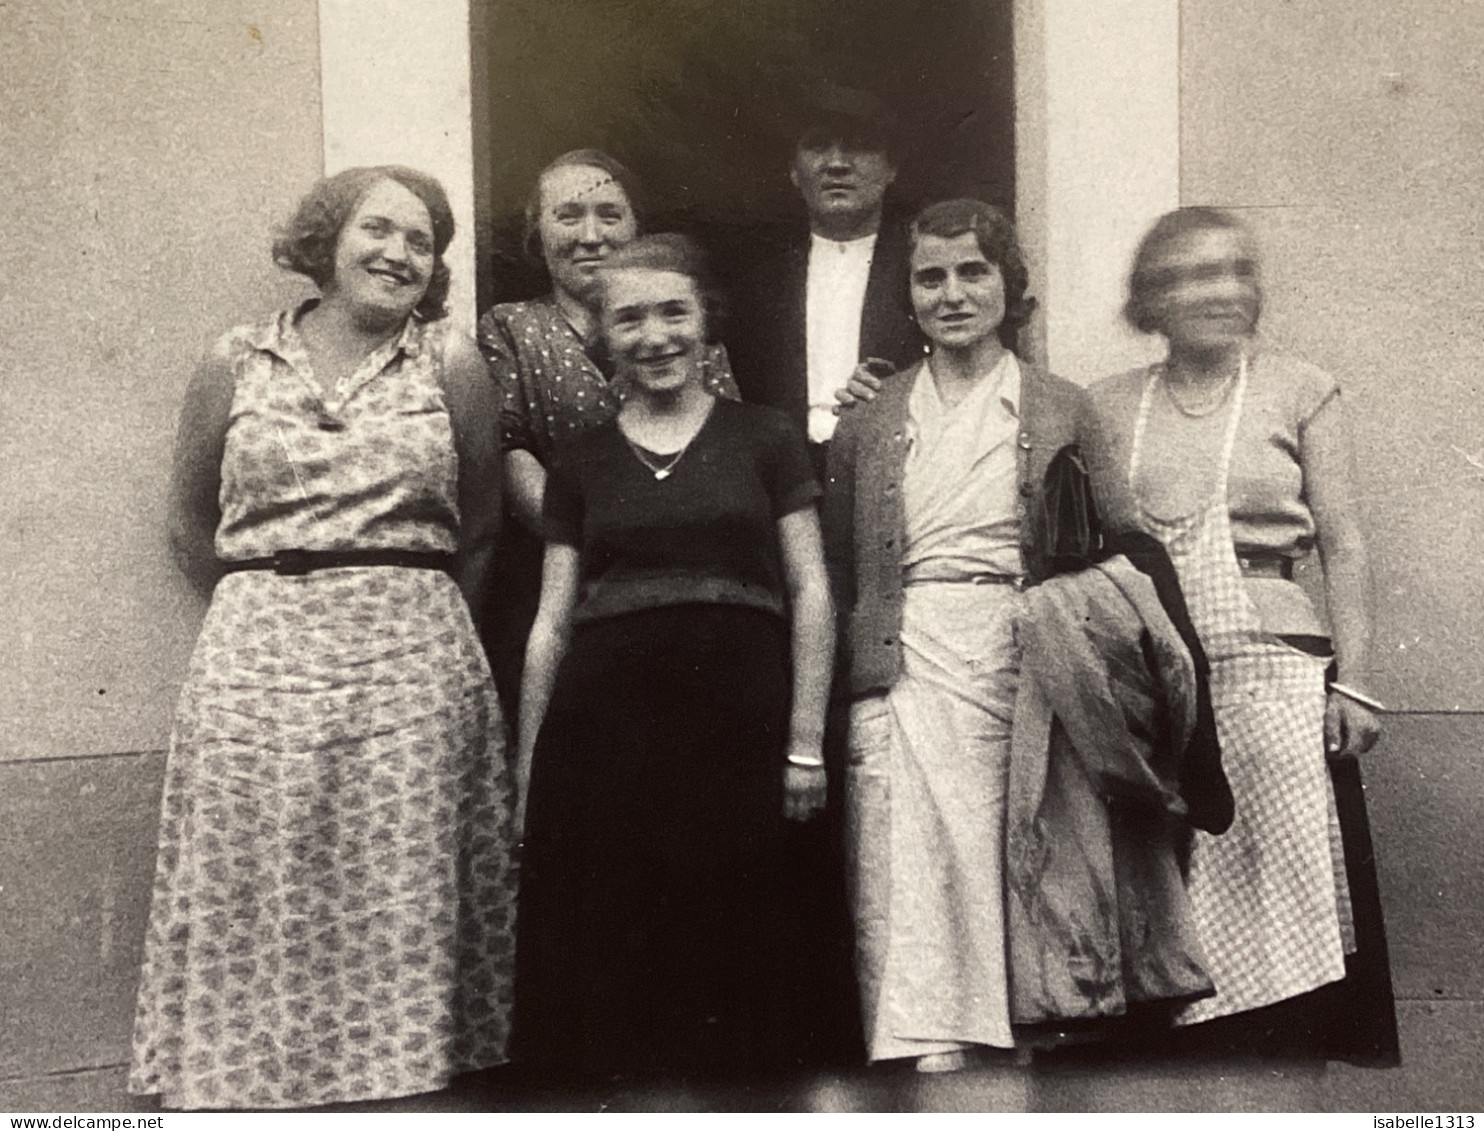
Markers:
332,910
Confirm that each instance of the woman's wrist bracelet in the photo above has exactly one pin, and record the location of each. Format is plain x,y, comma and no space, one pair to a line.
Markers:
806,762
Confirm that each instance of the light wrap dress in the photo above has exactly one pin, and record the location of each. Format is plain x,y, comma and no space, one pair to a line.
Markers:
1268,897
333,908
928,761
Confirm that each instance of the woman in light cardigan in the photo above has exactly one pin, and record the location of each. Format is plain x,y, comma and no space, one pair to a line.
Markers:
928,547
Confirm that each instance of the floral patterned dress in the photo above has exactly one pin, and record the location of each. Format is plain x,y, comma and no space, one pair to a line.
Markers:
333,909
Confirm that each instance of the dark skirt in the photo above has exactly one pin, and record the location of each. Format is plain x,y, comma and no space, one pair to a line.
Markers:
668,923
1351,1020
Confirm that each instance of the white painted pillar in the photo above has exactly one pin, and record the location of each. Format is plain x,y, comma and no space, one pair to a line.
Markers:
1098,140
394,76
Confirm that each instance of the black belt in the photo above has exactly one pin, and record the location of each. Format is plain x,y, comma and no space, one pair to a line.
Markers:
296,563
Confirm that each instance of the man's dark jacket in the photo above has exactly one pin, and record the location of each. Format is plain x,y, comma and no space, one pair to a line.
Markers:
764,334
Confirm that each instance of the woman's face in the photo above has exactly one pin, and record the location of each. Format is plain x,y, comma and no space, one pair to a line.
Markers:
585,214
655,325
1204,290
957,294
384,257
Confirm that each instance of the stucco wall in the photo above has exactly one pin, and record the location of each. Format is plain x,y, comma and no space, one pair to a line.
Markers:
147,147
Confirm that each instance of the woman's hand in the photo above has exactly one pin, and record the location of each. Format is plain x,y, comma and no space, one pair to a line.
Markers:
804,790
1349,728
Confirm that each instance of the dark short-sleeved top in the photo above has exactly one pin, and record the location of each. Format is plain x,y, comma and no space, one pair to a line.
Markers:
707,533
550,387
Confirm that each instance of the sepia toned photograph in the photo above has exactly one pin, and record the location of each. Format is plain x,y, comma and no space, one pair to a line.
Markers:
710,556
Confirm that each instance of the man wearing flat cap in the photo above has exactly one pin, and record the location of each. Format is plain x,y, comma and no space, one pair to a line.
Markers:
834,296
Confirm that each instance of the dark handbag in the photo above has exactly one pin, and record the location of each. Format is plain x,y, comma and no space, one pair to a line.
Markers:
1066,517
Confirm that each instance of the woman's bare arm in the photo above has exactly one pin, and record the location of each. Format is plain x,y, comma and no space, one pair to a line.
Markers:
196,473
1349,727
813,651
525,485
544,651
474,412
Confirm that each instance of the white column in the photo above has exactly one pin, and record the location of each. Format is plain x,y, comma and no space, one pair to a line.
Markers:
395,81
1098,138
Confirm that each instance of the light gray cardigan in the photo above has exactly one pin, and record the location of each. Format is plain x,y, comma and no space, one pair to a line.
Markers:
865,524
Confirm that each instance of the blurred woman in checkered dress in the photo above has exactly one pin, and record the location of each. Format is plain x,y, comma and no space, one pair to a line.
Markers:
1236,457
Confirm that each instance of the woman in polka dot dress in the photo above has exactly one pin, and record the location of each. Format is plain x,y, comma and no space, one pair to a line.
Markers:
554,380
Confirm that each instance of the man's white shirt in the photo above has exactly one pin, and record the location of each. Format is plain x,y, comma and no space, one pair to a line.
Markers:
835,295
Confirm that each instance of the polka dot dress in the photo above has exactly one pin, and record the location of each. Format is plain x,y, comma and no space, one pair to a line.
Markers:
550,387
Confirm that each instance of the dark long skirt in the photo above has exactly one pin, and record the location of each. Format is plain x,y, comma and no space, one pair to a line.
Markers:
1353,1019
667,926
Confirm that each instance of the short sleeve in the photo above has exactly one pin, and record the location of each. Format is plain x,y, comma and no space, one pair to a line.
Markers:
716,373
784,458
1313,389
561,507
495,343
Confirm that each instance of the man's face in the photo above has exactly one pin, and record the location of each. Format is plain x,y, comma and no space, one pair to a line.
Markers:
843,179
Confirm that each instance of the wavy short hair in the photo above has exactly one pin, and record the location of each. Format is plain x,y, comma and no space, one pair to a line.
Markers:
306,244
633,189
670,251
1145,284
995,236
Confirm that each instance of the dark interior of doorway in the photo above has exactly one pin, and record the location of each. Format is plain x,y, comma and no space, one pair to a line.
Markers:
696,96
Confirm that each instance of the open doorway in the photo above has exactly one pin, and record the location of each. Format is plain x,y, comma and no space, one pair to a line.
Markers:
695,96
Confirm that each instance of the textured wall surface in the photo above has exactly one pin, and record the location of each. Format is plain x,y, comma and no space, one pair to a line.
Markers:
1348,135
147,147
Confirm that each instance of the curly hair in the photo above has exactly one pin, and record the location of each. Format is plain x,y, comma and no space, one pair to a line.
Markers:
996,238
671,251
633,189
306,244
1146,283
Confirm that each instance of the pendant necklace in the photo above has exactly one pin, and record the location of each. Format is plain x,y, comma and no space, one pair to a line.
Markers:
662,467
659,465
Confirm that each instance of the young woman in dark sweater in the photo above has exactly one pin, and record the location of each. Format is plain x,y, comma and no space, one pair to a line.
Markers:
672,711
